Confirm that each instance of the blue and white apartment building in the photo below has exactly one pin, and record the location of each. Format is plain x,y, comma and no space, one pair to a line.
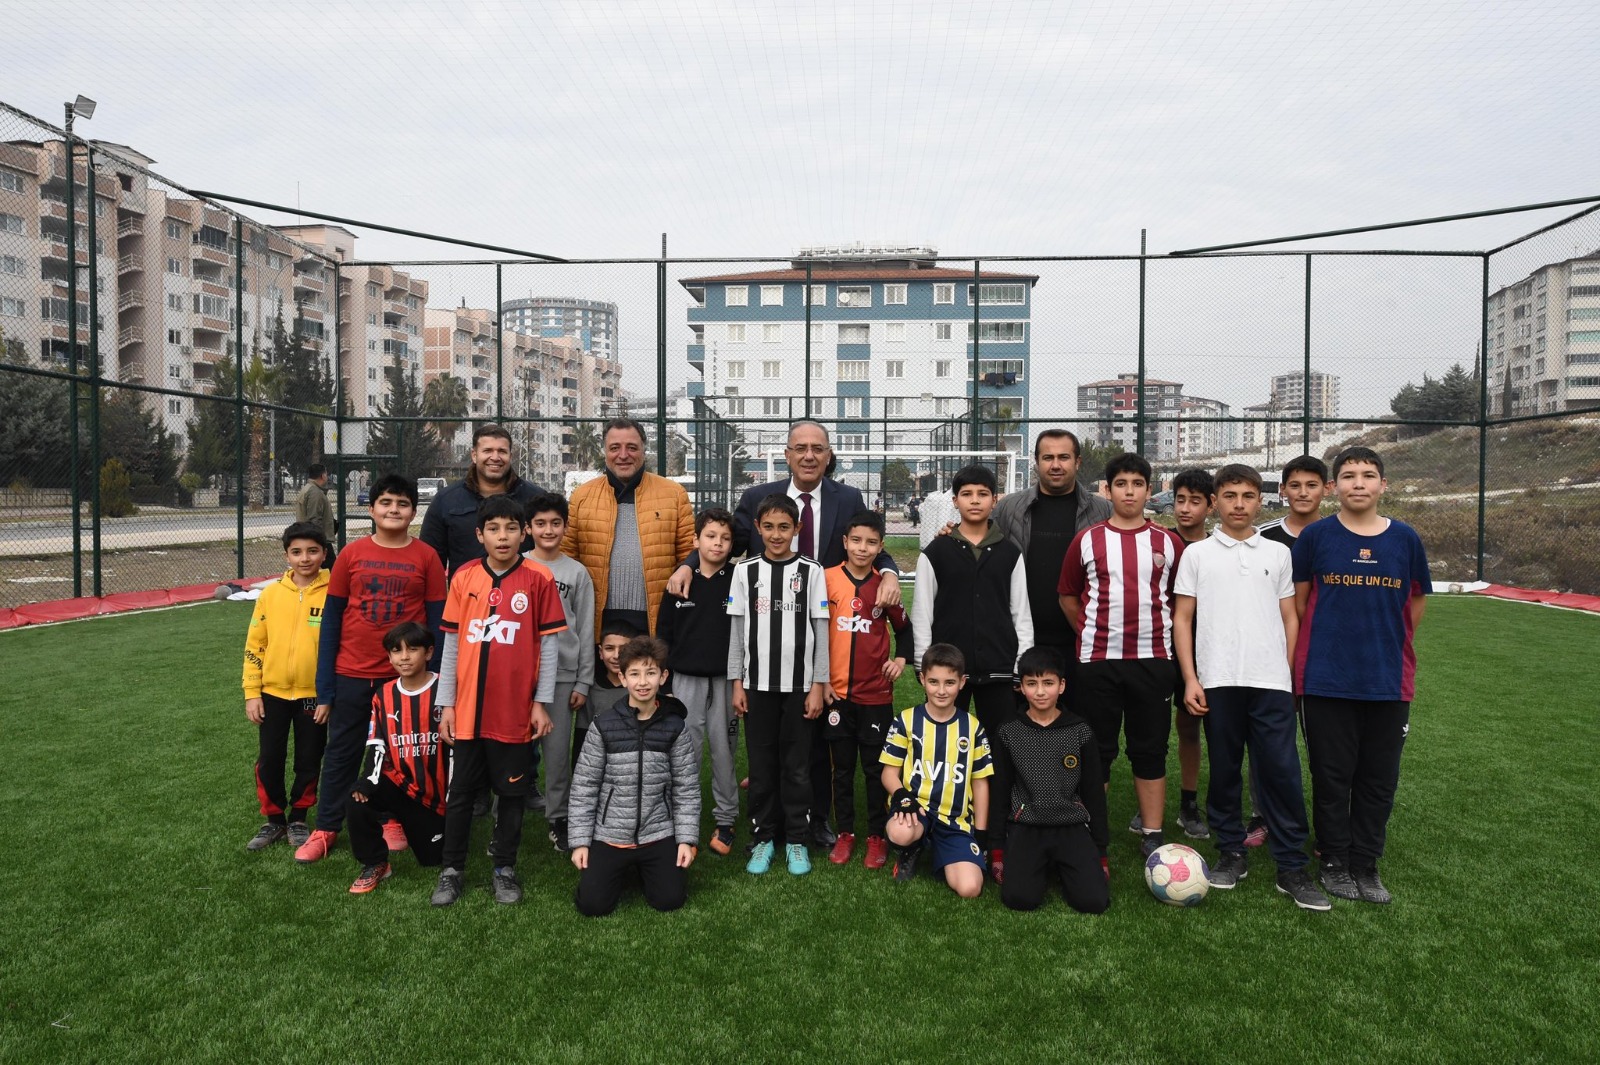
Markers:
890,349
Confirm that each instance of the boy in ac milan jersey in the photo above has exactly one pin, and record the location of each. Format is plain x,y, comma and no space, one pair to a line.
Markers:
860,693
405,769
1116,589
498,672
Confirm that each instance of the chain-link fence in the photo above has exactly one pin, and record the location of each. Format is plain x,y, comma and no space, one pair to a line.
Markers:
171,369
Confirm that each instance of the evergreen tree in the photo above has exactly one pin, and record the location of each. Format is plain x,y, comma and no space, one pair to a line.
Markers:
131,433
1453,398
213,431
407,447
36,433
307,384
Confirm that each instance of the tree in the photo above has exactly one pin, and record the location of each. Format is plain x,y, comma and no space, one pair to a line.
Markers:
446,398
36,433
116,499
213,431
130,433
1453,399
307,384
587,452
410,447
263,384
896,478
1092,460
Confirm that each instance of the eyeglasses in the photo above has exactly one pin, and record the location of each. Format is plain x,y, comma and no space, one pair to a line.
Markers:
808,449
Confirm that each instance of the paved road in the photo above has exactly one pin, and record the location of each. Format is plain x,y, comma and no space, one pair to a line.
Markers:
153,530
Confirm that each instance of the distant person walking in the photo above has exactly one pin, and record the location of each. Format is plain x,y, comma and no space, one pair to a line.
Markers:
312,507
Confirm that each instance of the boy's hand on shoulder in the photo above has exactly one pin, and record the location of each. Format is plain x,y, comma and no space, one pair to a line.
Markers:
255,710
889,589
320,715
678,583
893,668
358,796
686,855
540,720
580,857
447,724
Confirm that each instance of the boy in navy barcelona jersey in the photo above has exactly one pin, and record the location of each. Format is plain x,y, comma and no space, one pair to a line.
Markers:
1359,579
936,767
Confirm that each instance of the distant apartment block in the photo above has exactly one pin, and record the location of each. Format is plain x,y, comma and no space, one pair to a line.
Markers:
1544,340
1287,401
1115,404
1196,437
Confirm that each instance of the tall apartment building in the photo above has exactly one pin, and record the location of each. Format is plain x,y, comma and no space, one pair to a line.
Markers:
1198,438
891,337
1544,339
1287,400
592,323
1114,405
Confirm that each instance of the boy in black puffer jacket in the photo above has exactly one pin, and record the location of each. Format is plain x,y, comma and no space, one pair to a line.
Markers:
636,792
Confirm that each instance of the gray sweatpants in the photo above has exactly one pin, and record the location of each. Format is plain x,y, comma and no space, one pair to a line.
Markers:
557,751
709,702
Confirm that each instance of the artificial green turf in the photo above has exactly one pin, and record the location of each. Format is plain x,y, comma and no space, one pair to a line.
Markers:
136,928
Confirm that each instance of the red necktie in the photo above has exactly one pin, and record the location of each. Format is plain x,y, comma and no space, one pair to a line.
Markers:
807,541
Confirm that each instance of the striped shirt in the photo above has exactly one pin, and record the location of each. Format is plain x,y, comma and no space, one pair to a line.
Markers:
938,761
403,745
1123,577
777,644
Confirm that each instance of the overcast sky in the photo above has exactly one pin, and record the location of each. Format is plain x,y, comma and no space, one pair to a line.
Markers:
588,129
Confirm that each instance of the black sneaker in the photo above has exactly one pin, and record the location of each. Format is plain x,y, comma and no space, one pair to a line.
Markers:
1192,823
449,889
298,834
1151,841
1296,883
507,888
1136,825
1337,881
266,836
905,864
1231,868
1370,887
558,836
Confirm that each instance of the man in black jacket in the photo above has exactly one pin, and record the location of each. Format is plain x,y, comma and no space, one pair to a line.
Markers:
451,525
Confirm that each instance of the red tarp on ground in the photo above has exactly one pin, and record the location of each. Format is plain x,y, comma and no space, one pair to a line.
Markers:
1570,600
89,606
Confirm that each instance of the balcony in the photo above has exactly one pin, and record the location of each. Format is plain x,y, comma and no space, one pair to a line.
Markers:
130,264
205,253
130,227
697,355
130,300
307,286
855,351
130,336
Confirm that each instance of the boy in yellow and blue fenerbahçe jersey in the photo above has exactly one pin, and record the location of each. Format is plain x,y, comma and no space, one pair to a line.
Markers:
936,767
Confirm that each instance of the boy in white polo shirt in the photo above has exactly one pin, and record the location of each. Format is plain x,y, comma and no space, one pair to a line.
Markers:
1234,623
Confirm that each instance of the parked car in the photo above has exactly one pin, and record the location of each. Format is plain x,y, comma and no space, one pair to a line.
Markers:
428,488
1160,503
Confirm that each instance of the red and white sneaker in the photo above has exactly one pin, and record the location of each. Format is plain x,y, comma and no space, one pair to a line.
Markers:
317,847
877,853
371,876
394,837
1105,867
843,848
997,865
1255,833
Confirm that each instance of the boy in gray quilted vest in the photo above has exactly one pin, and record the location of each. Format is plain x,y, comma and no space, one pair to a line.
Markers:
635,801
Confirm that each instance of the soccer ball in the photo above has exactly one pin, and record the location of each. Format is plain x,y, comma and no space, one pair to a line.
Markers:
1177,875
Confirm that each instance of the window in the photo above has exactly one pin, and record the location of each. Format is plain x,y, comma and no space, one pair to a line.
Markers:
1586,268
944,293
736,295
10,223
816,295
893,407
1584,314
819,407
771,333
894,368
895,332
1585,336
772,406
772,368
174,301
1575,290
818,336
852,442
816,368
1000,332
212,306
1585,357
736,334
175,266
174,406
373,291
735,369
853,334
944,407
1006,294
9,307
1009,372
894,294
174,336
772,295
853,369
10,264
855,296
174,370
174,229
943,331
941,367
853,407
372,319
1583,382
10,182
372,373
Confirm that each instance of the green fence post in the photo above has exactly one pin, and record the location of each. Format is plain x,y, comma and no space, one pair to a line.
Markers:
500,347
661,359
75,459
1483,414
975,429
1305,382
338,426
94,365
1140,412
806,303
238,389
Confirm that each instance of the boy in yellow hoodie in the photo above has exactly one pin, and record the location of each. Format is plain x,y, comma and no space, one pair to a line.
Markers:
280,686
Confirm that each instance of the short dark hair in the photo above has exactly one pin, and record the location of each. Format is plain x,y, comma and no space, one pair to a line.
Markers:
870,518
1039,661
947,655
545,503
719,515
623,423
777,501
1077,448
394,484
1238,473
1306,464
494,429
617,627
1195,480
1127,462
408,634
1356,454
981,476
315,470
500,505
303,530
642,649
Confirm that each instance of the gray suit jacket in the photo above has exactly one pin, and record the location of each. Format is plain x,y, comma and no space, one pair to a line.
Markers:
1013,515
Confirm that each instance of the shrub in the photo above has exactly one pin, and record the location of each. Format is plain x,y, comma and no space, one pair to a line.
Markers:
116,497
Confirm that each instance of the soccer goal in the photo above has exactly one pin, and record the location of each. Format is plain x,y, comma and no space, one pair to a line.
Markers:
864,469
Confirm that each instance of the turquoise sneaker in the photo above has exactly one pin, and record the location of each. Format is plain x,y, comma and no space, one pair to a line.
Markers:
799,860
760,858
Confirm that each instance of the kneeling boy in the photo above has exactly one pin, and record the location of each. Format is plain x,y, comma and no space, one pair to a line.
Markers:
1047,773
640,755
935,769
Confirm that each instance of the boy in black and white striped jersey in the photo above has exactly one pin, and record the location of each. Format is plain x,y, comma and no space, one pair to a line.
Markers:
778,662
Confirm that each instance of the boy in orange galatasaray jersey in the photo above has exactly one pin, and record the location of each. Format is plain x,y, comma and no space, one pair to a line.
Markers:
497,674
405,769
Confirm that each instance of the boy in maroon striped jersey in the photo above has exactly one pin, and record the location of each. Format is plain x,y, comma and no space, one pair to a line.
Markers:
405,769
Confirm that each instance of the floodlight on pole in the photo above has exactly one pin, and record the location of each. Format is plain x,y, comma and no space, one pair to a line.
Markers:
83,107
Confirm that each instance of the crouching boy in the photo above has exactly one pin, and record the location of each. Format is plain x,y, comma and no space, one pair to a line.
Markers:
636,792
